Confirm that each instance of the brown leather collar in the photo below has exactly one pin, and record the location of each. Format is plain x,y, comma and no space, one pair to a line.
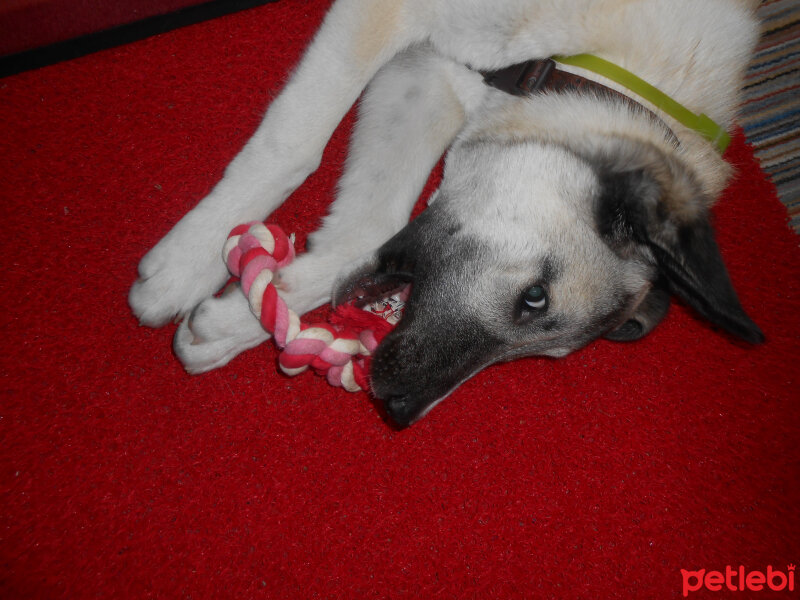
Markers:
536,76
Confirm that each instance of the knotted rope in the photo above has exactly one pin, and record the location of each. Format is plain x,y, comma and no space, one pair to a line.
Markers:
254,252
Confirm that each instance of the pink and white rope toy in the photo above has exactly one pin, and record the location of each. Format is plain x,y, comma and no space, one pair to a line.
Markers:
254,252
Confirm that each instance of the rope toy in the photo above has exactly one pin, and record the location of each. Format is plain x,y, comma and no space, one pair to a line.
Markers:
342,349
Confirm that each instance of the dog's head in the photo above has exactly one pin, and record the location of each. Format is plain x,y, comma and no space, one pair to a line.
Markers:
534,249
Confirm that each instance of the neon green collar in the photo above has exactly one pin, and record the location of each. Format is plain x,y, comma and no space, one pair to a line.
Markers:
700,123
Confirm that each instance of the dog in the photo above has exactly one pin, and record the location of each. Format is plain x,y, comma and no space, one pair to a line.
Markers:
563,215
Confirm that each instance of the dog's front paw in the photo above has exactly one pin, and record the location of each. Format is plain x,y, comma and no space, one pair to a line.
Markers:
216,331
182,269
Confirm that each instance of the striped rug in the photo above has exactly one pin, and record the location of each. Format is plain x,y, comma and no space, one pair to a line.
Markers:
771,113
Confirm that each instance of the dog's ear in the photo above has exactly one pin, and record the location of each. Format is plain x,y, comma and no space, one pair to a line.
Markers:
651,201
643,317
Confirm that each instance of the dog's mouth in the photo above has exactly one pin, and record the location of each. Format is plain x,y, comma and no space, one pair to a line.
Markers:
418,363
371,288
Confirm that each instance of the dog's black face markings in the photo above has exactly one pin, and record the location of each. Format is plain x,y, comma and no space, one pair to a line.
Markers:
440,341
416,366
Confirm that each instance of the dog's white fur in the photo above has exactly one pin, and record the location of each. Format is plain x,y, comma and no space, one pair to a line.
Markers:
418,60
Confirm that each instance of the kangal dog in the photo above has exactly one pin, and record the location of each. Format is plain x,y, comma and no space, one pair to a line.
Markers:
565,213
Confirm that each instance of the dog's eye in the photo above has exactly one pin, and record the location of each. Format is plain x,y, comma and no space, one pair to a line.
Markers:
535,298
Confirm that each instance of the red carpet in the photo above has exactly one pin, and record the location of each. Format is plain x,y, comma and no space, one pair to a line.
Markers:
601,475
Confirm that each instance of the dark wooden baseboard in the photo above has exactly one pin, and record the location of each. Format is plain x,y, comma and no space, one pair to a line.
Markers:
123,34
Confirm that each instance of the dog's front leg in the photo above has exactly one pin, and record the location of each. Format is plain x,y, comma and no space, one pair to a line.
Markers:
355,40
407,118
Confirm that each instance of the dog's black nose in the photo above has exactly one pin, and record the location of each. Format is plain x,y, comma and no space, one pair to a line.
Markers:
400,410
